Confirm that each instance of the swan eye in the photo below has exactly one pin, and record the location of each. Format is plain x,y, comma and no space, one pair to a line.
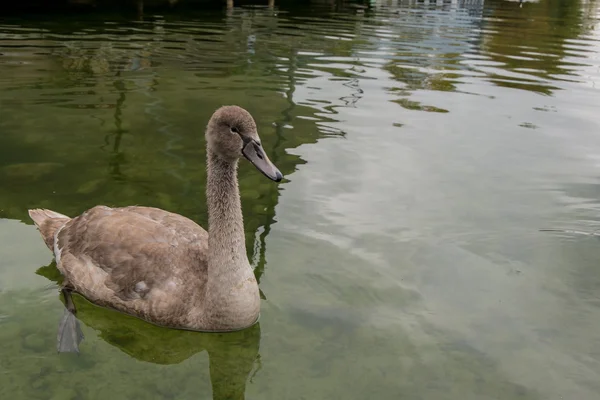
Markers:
235,130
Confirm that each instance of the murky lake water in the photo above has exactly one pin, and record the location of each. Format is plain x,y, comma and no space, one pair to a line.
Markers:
425,148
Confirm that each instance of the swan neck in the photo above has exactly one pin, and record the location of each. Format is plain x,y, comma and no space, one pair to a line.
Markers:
226,243
232,298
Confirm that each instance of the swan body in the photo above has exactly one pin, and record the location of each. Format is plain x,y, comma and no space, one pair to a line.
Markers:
163,267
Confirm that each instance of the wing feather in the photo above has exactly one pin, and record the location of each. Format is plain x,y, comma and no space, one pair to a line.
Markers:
137,249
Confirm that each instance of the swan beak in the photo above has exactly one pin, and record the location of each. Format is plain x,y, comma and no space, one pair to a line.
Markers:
255,153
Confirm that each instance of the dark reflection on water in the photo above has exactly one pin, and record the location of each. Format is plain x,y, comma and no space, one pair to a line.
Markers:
232,357
424,145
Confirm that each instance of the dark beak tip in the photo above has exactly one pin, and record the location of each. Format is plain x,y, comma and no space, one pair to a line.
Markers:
278,176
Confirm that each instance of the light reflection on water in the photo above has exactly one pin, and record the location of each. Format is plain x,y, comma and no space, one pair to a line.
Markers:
425,147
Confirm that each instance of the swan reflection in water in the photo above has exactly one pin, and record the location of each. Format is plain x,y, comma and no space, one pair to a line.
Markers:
232,355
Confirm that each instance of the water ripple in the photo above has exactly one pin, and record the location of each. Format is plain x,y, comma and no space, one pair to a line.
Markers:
431,47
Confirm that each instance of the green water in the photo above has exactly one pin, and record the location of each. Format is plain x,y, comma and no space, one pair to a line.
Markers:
424,147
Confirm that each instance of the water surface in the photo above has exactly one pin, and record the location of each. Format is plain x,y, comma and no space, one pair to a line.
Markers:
424,146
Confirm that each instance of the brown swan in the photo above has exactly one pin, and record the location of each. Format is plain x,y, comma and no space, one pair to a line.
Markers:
160,266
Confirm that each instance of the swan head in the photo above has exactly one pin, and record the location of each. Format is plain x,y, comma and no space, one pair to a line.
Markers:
232,134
